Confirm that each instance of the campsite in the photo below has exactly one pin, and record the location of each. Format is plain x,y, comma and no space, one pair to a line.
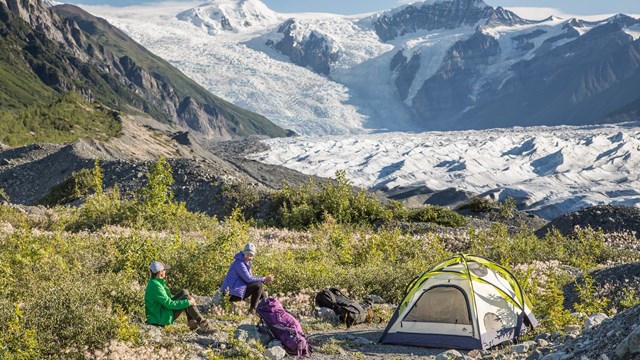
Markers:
103,247
437,180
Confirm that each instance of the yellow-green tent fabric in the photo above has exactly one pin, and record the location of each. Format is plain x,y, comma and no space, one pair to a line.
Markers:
466,302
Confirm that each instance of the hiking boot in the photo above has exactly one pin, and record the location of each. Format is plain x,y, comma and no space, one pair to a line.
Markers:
206,328
193,324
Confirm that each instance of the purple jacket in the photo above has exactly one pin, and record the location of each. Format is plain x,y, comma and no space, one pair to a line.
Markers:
238,277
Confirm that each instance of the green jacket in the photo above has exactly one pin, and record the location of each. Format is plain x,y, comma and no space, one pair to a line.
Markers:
158,306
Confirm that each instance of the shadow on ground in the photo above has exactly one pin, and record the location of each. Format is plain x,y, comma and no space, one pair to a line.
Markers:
365,341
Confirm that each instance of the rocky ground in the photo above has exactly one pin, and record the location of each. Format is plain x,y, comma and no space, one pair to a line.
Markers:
614,283
608,218
601,338
28,173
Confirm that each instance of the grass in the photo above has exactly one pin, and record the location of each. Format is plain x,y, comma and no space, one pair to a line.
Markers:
63,121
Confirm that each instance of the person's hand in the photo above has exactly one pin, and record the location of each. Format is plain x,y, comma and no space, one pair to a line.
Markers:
269,278
192,301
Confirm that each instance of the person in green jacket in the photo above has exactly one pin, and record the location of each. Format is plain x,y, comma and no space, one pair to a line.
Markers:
162,308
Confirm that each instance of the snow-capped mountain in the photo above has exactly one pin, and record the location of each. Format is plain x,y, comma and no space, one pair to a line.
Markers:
230,15
548,170
431,65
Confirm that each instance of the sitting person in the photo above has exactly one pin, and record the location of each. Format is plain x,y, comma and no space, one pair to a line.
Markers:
240,283
161,308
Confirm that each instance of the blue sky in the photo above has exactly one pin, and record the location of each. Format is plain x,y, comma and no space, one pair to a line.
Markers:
577,7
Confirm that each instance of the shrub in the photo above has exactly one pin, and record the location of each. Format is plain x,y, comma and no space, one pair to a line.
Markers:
79,184
66,302
479,205
590,302
308,205
507,207
238,195
437,215
16,341
153,207
548,305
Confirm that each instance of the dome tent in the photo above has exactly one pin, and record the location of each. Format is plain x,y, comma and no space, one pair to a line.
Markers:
466,302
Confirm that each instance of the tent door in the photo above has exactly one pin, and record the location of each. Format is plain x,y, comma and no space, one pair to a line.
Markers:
440,309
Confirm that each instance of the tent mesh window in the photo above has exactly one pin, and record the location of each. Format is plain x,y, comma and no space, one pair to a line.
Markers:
442,304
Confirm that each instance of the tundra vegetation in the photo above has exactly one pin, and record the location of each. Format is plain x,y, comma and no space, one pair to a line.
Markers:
73,278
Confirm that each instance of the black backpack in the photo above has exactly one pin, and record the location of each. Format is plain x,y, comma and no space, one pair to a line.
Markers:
348,311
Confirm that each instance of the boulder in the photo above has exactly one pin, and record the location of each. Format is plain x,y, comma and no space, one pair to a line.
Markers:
573,328
247,332
594,320
6,228
535,355
449,354
326,314
630,345
275,353
375,299
206,341
362,341
474,354
557,356
524,347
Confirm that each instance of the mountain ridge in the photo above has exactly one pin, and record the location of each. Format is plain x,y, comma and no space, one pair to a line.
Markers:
348,52
70,50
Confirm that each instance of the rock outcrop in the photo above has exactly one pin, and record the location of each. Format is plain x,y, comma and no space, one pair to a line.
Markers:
449,14
312,50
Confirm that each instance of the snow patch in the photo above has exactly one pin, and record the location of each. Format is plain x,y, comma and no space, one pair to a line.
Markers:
634,31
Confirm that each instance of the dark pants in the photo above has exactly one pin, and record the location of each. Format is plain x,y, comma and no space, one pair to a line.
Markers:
192,312
255,291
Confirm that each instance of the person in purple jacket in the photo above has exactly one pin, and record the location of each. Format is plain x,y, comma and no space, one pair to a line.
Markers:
240,283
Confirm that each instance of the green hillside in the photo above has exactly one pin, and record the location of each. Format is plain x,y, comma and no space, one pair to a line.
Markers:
105,66
63,121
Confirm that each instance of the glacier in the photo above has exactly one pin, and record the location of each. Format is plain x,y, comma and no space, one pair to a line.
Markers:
547,170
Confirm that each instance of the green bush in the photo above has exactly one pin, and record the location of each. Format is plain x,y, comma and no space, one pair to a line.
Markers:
507,207
238,195
66,300
548,306
80,184
153,208
437,215
479,205
16,342
311,204
590,302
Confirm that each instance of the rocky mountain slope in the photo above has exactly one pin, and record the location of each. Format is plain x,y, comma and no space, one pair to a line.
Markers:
200,176
63,48
610,219
432,65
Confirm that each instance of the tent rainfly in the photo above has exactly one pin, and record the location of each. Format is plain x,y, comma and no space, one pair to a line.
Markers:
466,302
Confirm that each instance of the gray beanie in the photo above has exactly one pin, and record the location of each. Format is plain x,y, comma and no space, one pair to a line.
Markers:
249,248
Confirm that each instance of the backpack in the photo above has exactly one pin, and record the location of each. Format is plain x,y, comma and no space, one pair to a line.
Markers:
348,311
283,326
